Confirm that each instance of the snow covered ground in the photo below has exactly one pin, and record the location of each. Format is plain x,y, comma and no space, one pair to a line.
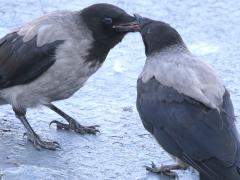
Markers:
209,27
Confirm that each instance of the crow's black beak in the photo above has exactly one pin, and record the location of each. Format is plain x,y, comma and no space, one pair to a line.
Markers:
138,18
132,26
142,21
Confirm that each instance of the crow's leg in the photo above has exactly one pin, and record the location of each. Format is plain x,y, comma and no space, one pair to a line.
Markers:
32,136
165,170
73,124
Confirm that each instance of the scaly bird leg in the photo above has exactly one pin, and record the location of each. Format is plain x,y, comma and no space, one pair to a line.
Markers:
73,124
33,137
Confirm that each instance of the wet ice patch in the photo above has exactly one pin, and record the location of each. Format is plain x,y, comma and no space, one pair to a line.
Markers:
203,48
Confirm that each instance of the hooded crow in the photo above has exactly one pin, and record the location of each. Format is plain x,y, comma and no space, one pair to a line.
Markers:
185,106
51,57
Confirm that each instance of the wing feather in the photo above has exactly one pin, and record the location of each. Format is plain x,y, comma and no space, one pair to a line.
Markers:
21,62
199,132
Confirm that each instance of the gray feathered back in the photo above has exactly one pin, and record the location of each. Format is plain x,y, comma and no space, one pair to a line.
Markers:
55,26
176,67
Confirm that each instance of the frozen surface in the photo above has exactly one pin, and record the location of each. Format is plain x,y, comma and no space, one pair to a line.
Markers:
211,30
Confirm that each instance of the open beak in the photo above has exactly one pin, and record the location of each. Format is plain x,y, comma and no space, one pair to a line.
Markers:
132,26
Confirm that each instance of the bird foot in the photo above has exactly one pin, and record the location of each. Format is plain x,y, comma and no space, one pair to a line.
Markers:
40,144
75,126
164,170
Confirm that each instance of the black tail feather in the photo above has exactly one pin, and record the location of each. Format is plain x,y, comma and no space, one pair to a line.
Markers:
203,177
221,172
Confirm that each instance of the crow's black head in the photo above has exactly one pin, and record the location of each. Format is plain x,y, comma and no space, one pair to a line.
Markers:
108,23
157,35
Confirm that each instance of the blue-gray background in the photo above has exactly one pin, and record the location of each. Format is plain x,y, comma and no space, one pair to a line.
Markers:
211,30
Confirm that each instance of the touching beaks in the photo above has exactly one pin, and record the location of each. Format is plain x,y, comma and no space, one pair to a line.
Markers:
142,21
132,26
138,18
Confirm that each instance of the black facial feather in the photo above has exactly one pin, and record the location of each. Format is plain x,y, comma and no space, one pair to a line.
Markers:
100,19
158,35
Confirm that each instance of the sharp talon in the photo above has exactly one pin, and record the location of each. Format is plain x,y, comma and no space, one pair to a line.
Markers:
164,170
55,142
37,147
24,134
153,165
40,144
58,146
75,126
170,174
86,129
54,121
147,168
95,126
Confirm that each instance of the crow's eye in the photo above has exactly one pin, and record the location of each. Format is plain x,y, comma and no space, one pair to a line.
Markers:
107,20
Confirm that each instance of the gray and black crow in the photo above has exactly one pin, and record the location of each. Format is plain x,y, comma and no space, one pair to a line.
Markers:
183,103
51,57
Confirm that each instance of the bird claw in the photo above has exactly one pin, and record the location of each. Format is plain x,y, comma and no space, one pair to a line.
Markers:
60,125
87,130
76,127
165,170
40,144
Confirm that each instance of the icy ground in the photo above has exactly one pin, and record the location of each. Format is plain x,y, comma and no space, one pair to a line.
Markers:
209,27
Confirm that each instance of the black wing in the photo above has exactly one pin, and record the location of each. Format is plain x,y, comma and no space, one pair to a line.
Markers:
198,135
21,62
